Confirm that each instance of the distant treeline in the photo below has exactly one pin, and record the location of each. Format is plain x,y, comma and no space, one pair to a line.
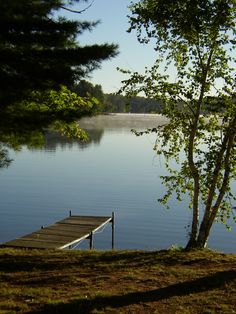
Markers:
117,103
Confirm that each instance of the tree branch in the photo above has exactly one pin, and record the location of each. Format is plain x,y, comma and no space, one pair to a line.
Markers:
199,55
75,11
226,173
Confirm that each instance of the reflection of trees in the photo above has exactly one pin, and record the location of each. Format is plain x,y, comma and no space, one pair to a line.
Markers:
39,139
4,157
54,140
34,136
16,132
15,138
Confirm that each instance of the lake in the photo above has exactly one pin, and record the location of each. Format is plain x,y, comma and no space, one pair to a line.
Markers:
113,171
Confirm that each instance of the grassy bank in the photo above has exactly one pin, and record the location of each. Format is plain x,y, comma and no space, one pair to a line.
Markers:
33,281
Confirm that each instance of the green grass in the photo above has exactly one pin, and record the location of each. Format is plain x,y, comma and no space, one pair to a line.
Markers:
168,281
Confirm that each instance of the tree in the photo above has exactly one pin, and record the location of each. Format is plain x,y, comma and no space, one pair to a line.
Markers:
39,49
93,92
195,39
85,88
40,59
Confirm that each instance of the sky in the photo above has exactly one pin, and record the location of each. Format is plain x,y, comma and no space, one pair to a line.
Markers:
113,29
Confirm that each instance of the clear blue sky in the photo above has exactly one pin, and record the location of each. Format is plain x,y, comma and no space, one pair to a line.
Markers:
112,29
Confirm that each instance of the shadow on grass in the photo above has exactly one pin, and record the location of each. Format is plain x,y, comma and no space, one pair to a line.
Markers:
28,260
217,280
38,260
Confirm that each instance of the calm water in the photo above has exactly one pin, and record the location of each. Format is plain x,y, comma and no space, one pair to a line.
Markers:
114,171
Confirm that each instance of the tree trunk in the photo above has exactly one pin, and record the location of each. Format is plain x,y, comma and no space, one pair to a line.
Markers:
195,176
192,166
203,234
193,236
201,241
211,212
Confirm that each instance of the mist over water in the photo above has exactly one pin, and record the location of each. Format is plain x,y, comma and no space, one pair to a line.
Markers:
113,171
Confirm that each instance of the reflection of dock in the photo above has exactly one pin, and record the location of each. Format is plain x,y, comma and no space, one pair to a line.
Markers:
65,233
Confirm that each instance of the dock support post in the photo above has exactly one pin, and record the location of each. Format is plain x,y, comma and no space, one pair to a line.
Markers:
91,240
113,230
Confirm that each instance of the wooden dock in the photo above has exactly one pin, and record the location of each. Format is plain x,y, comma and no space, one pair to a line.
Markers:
64,234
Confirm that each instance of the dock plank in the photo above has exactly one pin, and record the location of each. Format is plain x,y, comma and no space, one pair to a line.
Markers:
33,244
61,234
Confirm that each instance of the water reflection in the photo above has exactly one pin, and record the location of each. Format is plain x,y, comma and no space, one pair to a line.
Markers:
39,140
4,157
95,127
54,141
